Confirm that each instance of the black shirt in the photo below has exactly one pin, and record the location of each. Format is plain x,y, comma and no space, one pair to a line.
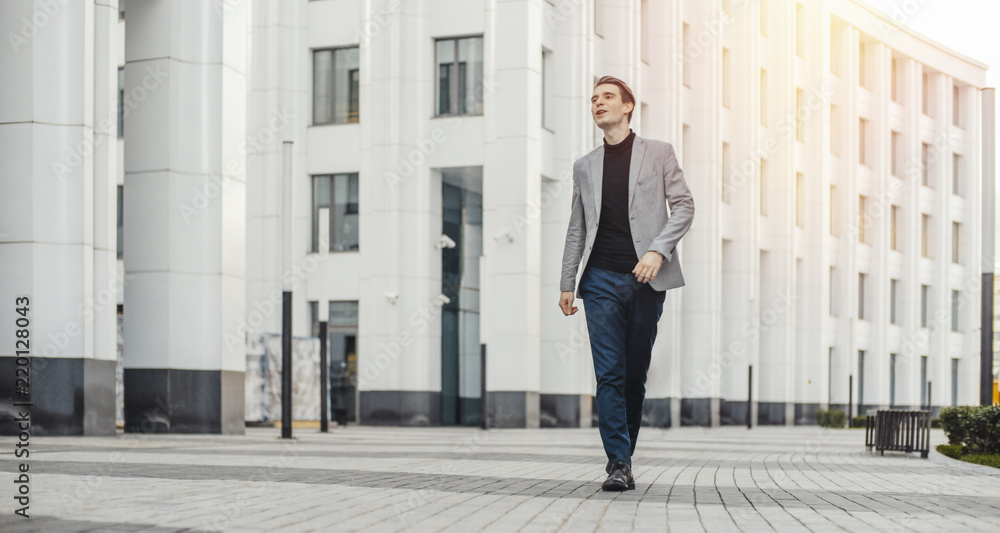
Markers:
613,247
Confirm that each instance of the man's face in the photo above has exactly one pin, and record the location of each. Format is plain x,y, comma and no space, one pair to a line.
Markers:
607,107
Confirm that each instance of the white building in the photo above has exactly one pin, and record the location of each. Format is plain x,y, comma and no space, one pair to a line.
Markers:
834,157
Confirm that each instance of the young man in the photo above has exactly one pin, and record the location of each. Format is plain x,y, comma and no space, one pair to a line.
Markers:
620,228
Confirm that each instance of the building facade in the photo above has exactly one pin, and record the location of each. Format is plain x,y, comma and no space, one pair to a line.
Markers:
833,154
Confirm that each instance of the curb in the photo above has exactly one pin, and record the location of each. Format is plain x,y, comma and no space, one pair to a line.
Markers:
936,457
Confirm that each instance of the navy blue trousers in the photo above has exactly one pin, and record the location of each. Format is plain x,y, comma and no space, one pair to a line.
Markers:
622,315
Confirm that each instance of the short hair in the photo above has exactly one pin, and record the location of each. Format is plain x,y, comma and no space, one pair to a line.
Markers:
627,96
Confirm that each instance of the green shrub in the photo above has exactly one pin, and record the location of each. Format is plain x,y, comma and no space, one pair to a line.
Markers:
955,422
831,418
859,421
986,459
983,431
935,423
951,450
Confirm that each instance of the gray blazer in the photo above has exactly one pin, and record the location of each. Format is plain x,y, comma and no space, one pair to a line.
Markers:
655,178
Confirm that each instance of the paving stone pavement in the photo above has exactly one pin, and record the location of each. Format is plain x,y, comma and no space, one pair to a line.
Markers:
455,479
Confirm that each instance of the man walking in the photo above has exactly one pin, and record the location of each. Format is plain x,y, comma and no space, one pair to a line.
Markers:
620,228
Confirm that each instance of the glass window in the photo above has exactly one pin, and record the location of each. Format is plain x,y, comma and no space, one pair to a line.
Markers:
924,289
955,301
956,168
954,381
861,380
338,192
923,381
892,380
861,296
121,100
893,286
460,76
121,233
336,85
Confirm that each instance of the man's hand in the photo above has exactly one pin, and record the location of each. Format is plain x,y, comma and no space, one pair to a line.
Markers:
648,266
566,303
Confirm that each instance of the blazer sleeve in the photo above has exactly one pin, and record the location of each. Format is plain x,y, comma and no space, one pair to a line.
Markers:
681,204
576,234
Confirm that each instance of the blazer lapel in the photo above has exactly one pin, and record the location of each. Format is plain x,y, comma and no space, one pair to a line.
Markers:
597,177
638,149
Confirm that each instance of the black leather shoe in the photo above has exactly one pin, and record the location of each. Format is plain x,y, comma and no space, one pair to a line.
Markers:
620,477
631,480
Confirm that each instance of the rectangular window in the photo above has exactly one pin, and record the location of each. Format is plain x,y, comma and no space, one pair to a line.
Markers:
763,187
829,376
955,301
726,76
955,116
924,295
836,33
339,194
861,218
547,86
893,81
763,17
644,19
862,135
956,232
834,140
800,31
834,211
893,288
954,381
956,174
894,153
800,193
861,295
121,233
923,381
800,127
459,78
763,97
833,291
725,172
686,47
924,94
925,247
598,19
121,100
893,216
892,380
862,66
861,379
336,86
925,153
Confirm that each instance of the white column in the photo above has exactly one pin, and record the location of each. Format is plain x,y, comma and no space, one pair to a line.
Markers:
512,176
184,242
57,172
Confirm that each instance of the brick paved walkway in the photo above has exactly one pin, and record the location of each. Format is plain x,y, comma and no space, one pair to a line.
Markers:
466,480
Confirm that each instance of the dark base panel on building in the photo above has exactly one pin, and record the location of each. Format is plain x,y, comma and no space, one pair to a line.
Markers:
656,412
700,412
771,413
562,410
513,409
734,413
805,413
69,396
172,400
400,408
841,406
470,411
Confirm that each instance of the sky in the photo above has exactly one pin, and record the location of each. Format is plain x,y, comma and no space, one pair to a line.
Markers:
968,27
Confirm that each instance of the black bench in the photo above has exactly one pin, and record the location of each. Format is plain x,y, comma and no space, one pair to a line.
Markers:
901,431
